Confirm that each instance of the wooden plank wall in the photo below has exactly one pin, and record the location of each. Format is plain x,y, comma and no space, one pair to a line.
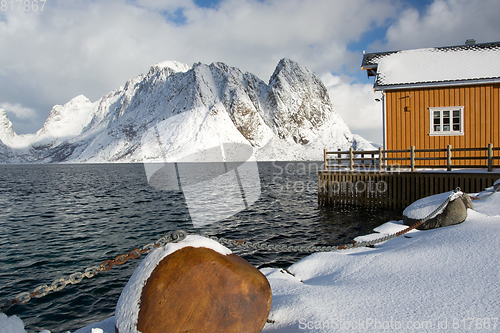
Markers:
394,190
411,127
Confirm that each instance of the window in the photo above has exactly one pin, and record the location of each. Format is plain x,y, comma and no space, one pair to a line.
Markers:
447,120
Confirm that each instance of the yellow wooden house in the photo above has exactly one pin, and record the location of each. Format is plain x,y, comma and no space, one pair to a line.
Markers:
435,97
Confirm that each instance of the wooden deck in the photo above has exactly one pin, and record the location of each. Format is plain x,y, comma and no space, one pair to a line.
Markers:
365,178
394,190
448,158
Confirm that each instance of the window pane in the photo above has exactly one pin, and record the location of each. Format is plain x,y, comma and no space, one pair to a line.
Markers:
447,121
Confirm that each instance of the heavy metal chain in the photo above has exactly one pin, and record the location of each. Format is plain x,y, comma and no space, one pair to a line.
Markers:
91,271
180,235
286,248
496,188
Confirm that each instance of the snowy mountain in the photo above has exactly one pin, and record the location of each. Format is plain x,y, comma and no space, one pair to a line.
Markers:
189,109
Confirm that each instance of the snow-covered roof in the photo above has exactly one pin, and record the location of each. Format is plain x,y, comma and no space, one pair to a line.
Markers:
439,66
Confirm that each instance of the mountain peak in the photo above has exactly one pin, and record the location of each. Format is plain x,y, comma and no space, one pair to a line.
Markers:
8,136
6,129
287,63
290,70
176,66
301,104
190,110
66,120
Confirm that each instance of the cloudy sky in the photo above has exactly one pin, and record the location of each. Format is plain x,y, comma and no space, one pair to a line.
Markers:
83,47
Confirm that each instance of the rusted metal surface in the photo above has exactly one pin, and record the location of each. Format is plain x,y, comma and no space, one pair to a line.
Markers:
200,290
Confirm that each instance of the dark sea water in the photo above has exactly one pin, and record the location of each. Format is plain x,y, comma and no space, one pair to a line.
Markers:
59,219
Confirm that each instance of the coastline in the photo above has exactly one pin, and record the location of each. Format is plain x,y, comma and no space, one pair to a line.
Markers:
441,280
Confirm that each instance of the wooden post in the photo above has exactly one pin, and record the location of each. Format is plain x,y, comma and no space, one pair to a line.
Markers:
412,153
380,159
448,158
326,159
490,157
351,158
339,155
363,158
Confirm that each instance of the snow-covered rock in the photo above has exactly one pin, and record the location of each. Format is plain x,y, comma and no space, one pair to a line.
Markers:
11,324
454,212
200,107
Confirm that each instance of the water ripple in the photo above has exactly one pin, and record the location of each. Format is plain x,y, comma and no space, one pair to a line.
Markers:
59,219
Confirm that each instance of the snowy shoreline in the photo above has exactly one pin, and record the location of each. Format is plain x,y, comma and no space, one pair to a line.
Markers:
440,280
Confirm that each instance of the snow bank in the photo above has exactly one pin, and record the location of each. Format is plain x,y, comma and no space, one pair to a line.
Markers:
11,324
105,326
386,229
489,205
442,280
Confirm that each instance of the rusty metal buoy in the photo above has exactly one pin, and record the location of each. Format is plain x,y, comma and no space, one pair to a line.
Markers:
194,289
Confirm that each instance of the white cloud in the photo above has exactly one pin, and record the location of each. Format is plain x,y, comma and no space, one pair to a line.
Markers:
91,47
18,110
356,104
443,23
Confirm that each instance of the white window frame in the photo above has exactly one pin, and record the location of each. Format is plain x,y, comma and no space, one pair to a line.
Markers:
433,132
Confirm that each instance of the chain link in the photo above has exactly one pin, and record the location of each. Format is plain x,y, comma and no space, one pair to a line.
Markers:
310,249
180,235
496,188
92,271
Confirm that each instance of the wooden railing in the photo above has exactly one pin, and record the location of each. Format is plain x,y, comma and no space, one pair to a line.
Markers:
482,157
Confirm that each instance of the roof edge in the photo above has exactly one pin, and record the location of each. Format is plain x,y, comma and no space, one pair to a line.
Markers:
486,44
435,84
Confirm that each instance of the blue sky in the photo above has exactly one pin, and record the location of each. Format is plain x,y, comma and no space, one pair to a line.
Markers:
207,3
83,47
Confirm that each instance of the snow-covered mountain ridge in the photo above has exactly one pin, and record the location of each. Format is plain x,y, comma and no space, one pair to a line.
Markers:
191,109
